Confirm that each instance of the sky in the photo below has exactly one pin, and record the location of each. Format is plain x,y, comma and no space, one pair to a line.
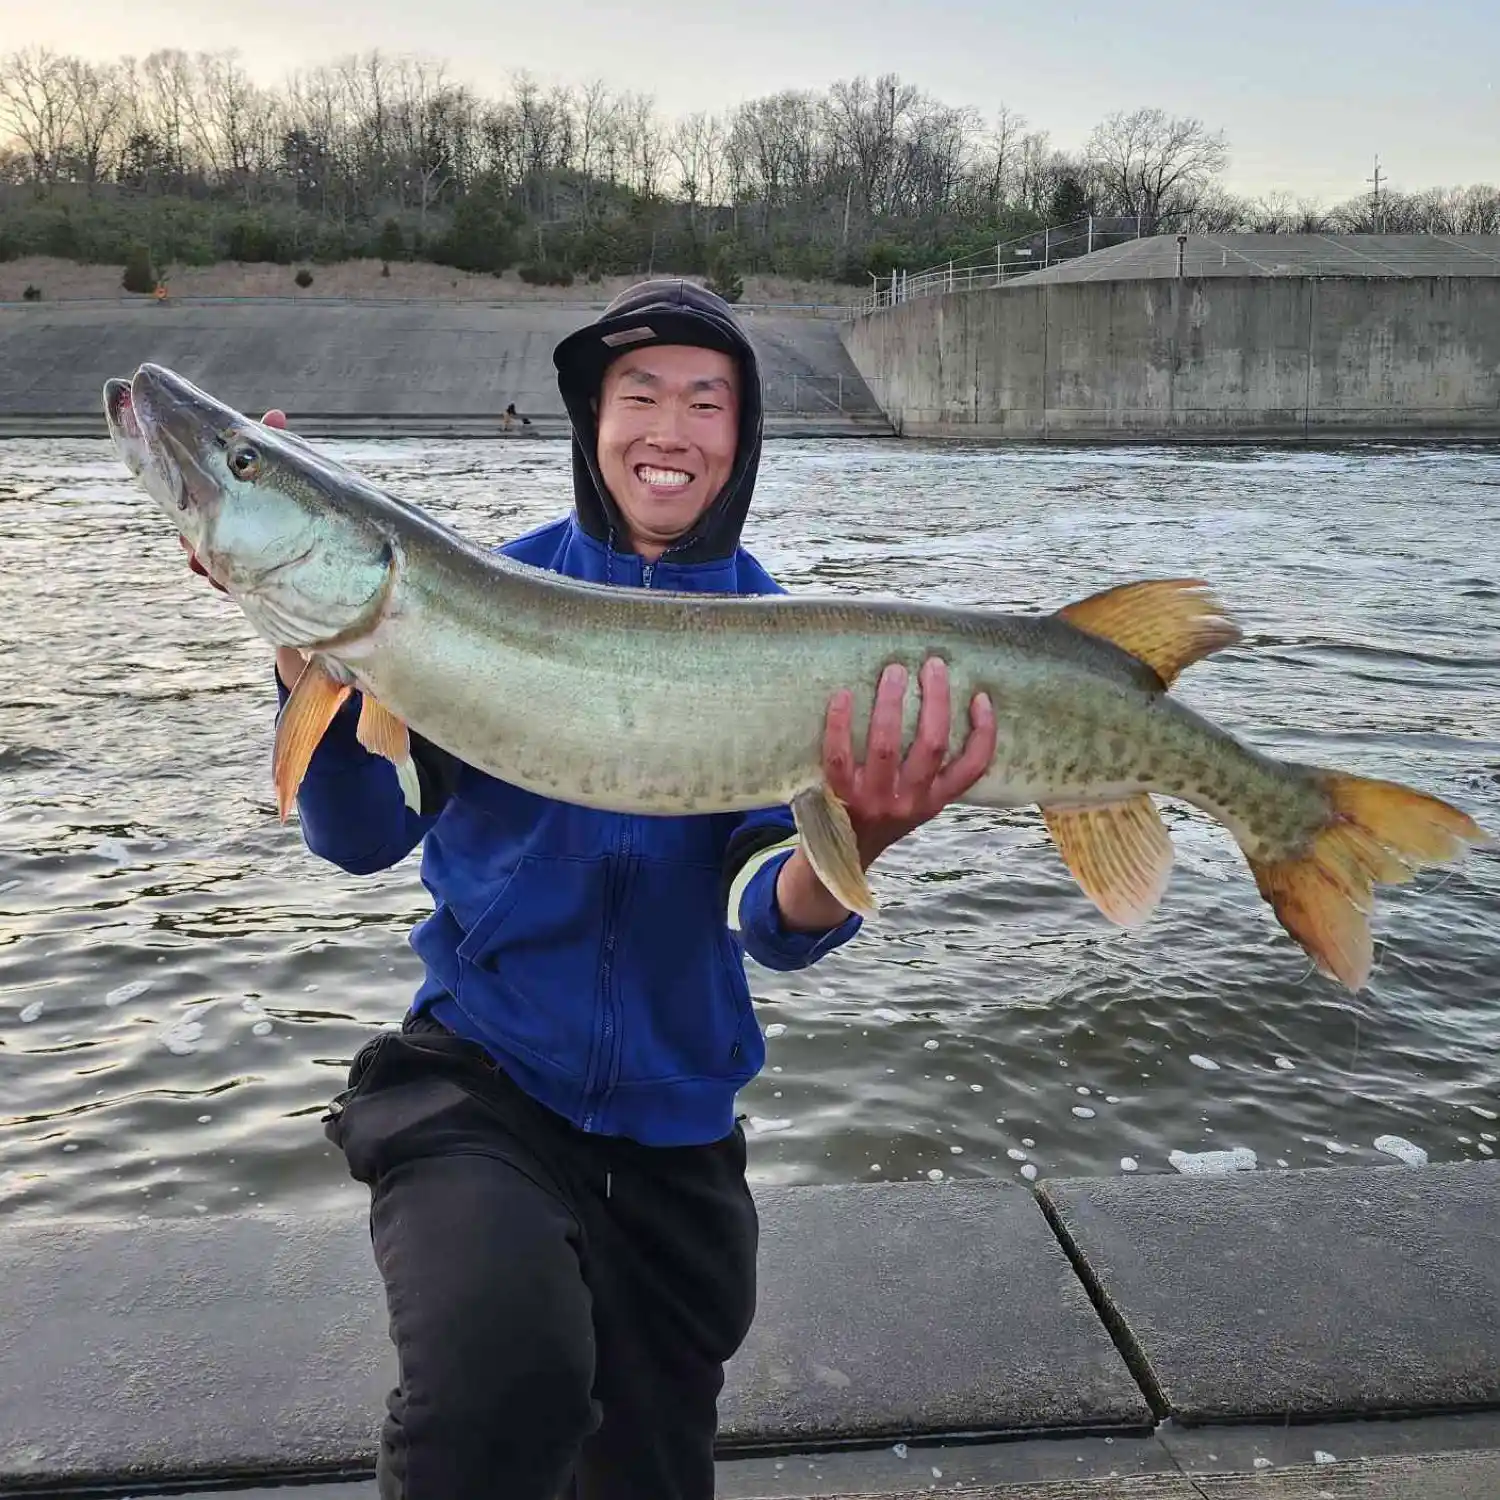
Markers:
1307,93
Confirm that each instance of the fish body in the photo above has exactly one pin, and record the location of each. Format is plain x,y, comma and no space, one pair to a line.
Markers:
643,701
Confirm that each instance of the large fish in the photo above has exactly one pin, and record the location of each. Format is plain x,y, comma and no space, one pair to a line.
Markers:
650,702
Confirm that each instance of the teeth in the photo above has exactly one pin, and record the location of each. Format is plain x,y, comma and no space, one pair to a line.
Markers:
663,476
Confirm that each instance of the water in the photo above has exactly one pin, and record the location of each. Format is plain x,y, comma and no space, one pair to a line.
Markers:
182,984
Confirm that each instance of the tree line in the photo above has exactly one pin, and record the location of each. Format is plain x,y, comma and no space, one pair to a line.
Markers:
185,158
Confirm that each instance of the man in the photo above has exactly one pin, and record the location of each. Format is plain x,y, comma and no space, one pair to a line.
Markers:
558,1199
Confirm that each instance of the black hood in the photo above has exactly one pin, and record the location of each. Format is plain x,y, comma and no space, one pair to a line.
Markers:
660,312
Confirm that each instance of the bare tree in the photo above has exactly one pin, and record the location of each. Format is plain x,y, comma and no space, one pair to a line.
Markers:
1154,165
997,172
697,146
596,121
37,106
869,124
644,143
98,107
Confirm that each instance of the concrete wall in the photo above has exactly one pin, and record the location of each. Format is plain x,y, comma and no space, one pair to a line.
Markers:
371,366
1222,358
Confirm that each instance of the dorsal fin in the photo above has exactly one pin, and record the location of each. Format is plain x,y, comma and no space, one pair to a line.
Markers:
1168,623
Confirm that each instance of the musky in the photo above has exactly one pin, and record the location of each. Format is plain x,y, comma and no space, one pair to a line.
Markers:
1307,91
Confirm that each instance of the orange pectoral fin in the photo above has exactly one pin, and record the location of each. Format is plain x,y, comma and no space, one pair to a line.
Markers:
302,723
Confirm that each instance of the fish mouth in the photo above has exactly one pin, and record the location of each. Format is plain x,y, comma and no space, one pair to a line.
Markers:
140,449
119,417
180,427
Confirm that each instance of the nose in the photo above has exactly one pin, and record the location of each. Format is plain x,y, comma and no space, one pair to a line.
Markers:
665,431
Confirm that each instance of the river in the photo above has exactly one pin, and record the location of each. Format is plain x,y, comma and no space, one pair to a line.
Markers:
182,983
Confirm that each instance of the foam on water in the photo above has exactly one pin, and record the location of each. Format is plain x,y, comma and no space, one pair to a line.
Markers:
1403,1150
121,994
1199,1061
1212,1163
182,1038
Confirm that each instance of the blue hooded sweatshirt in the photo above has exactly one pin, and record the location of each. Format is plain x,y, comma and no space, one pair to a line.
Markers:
597,957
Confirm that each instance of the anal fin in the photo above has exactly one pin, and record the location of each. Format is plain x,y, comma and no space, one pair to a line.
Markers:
1120,853
302,723
829,843
382,733
1168,623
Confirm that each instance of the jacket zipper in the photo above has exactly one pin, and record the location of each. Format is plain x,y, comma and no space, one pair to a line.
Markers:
602,1083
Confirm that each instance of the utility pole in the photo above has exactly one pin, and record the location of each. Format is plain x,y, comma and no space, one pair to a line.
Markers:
1379,217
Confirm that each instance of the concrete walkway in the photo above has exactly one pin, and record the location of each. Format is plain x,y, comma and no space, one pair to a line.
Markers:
1302,1333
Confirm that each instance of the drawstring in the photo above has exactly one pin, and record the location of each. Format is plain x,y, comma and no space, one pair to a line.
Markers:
609,1184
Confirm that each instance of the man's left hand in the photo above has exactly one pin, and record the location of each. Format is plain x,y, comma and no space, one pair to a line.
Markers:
887,797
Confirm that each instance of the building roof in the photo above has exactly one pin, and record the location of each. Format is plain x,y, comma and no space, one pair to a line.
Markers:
1283,255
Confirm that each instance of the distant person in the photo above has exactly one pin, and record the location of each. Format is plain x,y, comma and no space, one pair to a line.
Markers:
559,1207
509,419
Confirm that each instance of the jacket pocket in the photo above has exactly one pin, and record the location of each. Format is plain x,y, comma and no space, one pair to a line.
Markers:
687,1010
529,968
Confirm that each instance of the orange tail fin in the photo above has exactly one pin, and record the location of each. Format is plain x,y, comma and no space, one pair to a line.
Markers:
1379,832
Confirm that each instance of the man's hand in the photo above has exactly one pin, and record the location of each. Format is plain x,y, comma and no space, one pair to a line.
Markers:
288,660
888,797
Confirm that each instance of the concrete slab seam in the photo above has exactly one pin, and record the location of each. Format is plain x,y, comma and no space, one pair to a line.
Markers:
1130,1350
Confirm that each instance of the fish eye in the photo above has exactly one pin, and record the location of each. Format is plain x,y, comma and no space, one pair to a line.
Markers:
244,462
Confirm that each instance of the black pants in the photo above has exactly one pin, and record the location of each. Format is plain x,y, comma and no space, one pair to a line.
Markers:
562,1304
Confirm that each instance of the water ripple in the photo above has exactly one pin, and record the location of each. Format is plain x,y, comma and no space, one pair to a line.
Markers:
182,985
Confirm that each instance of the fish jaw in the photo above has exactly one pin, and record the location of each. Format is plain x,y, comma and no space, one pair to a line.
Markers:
309,568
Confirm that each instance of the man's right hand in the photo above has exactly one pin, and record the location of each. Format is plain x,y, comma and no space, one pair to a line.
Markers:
289,661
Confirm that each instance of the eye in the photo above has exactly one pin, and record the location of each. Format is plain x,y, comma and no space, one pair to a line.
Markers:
244,462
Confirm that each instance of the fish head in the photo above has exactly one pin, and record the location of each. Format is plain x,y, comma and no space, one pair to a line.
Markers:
301,543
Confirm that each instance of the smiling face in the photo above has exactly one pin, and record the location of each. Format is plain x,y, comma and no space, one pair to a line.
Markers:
669,420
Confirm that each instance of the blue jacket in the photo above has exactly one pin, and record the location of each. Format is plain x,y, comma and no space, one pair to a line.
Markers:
598,957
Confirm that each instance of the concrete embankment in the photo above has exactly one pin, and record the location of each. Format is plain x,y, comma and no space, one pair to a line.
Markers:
377,369
1294,1333
1195,359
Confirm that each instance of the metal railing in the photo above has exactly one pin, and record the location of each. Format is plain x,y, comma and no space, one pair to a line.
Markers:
816,395
991,268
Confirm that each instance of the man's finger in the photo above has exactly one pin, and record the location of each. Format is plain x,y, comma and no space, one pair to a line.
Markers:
838,743
883,748
929,748
274,418
974,759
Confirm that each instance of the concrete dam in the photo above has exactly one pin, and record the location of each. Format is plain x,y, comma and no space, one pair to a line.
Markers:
378,368
1259,338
